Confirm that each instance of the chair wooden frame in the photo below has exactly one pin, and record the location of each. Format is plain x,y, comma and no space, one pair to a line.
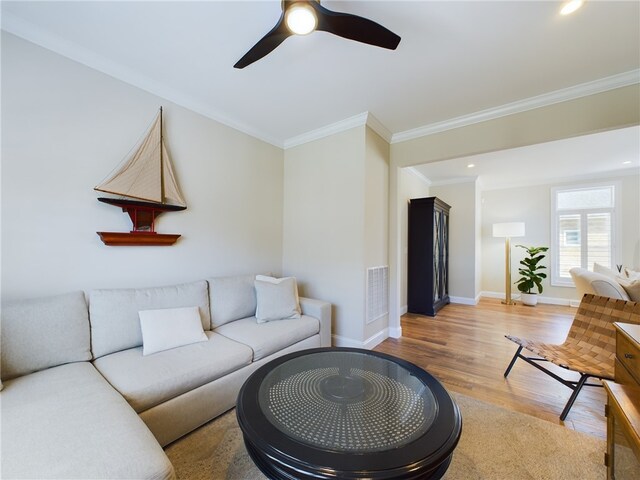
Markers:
589,348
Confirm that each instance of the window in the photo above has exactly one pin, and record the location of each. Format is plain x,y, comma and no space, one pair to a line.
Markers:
582,229
571,238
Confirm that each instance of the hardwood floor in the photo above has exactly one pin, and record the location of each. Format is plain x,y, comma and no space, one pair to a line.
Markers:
464,347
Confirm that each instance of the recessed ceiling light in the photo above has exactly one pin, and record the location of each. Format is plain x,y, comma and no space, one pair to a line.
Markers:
571,7
471,165
626,162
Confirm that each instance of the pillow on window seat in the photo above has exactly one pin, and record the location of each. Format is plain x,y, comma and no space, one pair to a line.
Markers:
632,287
631,274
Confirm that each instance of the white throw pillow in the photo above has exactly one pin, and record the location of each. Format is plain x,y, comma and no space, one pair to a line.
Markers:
632,287
277,298
170,328
631,274
601,269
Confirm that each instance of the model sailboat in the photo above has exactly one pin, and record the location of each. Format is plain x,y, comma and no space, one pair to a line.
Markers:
147,187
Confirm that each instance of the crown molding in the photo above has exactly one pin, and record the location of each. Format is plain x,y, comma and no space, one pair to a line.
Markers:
571,93
28,31
378,127
327,130
455,181
604,176
364,118
420,176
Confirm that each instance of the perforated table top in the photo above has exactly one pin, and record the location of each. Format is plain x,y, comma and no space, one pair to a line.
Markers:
360,402
347,413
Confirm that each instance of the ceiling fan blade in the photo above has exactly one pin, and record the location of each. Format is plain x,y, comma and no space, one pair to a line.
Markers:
355,28
266,44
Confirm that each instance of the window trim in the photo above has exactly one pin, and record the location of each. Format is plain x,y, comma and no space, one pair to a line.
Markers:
616,226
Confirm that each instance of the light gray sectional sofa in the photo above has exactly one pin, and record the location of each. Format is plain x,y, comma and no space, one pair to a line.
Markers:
79,399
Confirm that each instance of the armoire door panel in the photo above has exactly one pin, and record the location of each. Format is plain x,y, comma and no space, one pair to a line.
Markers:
428,256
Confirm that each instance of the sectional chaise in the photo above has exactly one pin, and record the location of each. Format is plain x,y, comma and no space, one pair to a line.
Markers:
80,400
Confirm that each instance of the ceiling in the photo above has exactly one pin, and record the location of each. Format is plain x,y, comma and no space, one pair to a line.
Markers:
616,152
455,58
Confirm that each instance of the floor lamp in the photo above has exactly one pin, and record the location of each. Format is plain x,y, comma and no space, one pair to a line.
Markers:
508,230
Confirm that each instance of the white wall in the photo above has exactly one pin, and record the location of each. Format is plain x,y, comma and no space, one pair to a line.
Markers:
462,238
376,225
630,213
532,205
336,197
324,195
411,186
65,127
478,243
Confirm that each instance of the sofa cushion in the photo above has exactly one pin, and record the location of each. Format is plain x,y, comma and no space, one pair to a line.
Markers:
115,324
44,332
277,298
68,422
231,298
267,338
146,381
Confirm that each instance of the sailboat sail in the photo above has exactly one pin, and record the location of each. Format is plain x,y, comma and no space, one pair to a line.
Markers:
147,174
172,194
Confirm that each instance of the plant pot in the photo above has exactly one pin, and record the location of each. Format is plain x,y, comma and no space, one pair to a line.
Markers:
530,299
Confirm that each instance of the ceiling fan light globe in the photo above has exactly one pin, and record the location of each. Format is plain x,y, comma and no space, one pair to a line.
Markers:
301,19
571,7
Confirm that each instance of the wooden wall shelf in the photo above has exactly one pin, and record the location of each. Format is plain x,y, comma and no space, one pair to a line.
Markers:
134,239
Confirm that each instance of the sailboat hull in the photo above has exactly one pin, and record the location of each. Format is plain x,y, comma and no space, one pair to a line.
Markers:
126,203
143,216
134,239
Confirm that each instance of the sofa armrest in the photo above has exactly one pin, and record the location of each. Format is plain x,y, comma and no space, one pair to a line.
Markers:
595,283
321,311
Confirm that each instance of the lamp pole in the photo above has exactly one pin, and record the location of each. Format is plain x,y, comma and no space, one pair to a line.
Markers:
506,231
507,272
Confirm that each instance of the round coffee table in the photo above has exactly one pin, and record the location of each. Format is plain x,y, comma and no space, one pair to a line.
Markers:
346,413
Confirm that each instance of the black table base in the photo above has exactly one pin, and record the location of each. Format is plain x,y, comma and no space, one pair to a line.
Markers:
277,470
347,414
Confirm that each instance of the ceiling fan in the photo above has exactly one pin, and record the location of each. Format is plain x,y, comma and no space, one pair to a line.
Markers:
300,17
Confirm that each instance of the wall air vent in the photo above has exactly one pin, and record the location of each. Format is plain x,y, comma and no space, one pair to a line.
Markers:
377,293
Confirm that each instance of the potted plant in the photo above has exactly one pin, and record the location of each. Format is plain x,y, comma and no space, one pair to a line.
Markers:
530,274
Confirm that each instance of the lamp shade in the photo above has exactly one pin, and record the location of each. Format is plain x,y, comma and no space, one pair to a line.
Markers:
512,229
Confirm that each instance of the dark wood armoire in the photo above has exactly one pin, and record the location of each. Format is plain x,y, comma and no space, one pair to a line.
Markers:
428,256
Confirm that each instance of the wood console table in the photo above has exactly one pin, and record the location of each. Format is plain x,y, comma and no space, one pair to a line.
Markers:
623,406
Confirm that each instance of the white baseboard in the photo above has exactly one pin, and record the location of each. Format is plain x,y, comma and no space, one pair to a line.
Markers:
368,344
404,309
340,341
376,339
464,300
395,332
541,299
495,295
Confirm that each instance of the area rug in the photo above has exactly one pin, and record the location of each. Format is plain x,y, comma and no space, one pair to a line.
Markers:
496,444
